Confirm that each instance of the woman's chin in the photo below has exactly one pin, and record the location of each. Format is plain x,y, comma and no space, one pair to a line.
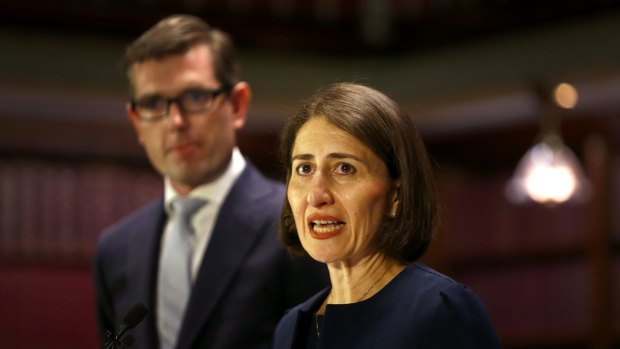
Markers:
323,256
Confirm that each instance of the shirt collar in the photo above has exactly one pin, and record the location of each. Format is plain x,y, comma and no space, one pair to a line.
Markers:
214,192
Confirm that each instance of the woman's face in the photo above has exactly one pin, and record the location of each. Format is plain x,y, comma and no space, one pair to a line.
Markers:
339,191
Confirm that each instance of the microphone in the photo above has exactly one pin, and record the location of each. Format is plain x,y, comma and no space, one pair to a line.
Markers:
134,315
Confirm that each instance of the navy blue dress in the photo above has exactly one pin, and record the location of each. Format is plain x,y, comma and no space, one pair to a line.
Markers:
420,308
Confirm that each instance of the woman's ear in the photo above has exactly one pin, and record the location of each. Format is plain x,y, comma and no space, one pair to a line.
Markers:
394,199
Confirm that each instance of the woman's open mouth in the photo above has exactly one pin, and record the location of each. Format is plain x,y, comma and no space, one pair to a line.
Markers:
325,227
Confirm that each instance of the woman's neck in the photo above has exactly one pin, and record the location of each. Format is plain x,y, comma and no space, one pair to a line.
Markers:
358,282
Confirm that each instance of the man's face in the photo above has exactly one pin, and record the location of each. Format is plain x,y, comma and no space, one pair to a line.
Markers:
189,148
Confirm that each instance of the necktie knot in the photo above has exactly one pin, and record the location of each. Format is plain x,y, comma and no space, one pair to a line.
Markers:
186,207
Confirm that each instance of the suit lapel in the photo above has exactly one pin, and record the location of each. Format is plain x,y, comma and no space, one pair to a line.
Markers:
233,237
144,246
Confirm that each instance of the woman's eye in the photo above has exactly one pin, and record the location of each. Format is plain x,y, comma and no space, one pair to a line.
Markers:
303,169
345,168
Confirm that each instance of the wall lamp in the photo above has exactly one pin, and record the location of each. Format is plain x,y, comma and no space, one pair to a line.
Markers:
549,172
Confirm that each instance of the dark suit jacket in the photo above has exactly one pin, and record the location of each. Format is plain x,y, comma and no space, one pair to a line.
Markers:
419,309
245,283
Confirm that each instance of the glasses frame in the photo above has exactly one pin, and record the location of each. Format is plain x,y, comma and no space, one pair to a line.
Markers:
224,89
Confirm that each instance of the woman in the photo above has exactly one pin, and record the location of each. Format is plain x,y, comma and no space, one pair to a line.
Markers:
361,199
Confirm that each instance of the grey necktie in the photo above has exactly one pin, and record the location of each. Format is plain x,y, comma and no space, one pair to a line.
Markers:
175,281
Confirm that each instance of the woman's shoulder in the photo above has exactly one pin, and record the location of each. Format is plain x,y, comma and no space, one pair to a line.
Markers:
422,287
424,271
426,279
446,307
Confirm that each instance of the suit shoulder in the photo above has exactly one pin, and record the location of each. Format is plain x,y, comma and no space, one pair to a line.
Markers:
262,187
255,197
132,222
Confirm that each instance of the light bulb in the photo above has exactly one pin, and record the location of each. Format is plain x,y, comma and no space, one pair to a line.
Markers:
547,174
565,95
549,183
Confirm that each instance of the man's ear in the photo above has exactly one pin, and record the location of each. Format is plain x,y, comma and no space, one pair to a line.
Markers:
240,96
135,121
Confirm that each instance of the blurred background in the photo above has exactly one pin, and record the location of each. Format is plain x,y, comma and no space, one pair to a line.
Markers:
474,75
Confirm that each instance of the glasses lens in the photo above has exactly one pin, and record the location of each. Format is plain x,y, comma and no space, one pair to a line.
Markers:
195,100
151,107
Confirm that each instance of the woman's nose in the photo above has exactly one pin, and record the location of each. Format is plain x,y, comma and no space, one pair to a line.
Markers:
319,194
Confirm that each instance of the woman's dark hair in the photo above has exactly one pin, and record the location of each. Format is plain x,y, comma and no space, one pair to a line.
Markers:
379,123
176,35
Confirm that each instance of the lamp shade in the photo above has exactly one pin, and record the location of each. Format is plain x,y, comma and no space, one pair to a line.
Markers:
548,173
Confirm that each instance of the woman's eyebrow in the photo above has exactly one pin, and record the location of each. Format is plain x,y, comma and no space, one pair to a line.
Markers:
331,155
345,156
302,157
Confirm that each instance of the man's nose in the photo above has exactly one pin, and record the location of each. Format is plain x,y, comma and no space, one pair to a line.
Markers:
175,114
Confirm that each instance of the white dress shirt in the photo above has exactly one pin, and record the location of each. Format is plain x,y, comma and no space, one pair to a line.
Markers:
204,220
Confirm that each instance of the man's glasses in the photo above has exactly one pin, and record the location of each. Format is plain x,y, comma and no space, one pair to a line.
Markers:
155,107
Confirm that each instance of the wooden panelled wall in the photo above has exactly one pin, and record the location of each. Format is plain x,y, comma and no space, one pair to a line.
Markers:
548,275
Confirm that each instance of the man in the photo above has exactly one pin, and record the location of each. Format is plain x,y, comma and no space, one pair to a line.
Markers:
234,282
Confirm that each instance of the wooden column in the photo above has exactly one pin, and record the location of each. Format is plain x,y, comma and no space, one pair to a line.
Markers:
597,165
